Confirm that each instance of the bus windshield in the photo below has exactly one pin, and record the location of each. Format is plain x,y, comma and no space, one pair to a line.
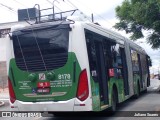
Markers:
42,45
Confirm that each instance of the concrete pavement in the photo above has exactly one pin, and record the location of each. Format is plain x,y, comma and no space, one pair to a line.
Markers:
155,85
4,95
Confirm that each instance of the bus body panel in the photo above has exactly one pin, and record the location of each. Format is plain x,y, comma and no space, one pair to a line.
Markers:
95,86
26,86
79,48
51,106
43,106
118,83
64,98
26,89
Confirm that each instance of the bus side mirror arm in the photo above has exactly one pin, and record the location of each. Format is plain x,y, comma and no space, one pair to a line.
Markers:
10,36
149,61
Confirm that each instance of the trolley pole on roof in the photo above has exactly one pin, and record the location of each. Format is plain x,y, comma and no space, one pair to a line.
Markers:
92,17
53,8
53,11
39,12
159,71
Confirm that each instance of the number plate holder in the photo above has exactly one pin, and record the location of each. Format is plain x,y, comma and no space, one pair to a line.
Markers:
43,90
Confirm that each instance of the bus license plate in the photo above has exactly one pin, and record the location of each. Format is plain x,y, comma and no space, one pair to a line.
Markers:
43,90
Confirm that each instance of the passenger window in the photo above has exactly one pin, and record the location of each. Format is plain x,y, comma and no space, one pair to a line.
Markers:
115,61
117,64
91,56
135,63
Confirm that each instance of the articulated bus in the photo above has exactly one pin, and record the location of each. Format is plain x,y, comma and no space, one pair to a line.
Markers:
73,65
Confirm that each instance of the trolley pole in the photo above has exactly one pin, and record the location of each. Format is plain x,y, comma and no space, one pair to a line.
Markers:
54,8
92,17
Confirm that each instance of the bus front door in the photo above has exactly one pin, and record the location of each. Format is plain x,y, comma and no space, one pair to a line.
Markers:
101,73
97,68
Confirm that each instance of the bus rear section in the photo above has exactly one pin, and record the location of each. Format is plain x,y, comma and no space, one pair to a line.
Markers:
44,74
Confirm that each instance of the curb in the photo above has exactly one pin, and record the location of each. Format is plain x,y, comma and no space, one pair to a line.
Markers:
1,103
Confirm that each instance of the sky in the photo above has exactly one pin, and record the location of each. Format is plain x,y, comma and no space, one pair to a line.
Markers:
103,10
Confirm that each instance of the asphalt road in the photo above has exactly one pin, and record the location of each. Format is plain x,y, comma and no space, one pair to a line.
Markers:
5,107
146,104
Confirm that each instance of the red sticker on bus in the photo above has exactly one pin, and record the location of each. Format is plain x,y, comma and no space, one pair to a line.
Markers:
43,84
111,72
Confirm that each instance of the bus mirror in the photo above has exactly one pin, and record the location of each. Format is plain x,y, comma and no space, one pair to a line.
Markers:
149,61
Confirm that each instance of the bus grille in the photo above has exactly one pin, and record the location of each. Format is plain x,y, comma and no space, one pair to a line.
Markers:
34,64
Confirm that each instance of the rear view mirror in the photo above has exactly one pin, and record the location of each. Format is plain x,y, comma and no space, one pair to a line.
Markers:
149,61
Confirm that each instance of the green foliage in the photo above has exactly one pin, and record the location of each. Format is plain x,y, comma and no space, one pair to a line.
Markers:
138,15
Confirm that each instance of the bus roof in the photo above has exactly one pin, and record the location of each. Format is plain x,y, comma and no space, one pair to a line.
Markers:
41,25
97,28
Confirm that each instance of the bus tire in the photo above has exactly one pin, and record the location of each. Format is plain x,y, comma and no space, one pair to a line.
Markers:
61,114
145,91
114,100
57,114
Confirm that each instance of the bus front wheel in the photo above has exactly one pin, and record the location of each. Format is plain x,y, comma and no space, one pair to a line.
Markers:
114,100
137,91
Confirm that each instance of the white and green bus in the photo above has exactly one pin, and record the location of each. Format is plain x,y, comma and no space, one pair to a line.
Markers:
73,66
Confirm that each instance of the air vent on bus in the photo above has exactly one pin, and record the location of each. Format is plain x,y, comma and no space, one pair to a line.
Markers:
34,64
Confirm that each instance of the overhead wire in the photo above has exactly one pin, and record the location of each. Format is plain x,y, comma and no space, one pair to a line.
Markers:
80,11
24,6
75,7
20,3
36,43
27,7
69,3
54,5
94,12
8,8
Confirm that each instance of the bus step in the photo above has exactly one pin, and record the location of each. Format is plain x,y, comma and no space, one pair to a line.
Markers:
104,106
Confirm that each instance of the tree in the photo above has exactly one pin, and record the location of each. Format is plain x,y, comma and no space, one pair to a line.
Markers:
138,15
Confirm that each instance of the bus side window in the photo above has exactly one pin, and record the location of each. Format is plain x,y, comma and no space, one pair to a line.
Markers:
117,61
91,56
108,58
135,62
